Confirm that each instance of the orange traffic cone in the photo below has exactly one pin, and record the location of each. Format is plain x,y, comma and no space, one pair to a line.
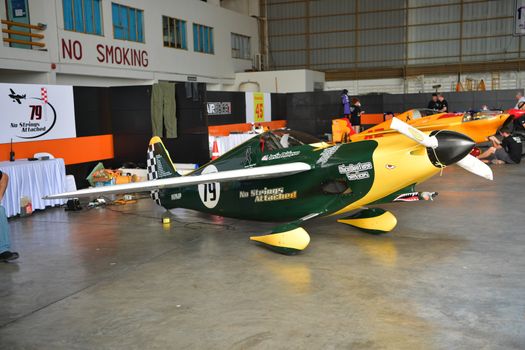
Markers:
215,150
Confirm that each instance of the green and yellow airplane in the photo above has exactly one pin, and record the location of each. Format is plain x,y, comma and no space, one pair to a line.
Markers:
291,177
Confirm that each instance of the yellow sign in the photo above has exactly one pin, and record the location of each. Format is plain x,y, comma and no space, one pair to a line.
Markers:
258,107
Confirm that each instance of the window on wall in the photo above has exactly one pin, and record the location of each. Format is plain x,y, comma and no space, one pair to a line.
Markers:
84,16
128,23
174,32
241,47
202,38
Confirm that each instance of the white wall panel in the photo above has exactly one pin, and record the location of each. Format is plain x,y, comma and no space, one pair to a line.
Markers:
382,36
434,32
374,53
331,40
287,43
481,10
340,55
288,58
330,7
288,10
367,5
435,14
382,19
492,27
291,26
332,23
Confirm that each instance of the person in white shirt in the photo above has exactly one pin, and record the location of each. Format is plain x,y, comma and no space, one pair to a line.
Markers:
521,101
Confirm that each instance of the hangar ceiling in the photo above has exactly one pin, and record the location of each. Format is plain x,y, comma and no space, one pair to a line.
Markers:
357,38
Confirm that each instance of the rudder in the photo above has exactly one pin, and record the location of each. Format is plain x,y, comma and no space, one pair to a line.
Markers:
159,164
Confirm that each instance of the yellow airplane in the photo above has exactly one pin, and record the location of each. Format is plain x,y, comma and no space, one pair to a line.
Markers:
476,125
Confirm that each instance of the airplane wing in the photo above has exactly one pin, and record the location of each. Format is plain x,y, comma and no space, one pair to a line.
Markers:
263,172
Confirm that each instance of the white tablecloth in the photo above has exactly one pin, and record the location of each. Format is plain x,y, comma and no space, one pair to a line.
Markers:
35,180
226,143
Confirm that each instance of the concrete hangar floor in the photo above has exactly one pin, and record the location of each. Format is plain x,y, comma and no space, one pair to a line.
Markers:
451,276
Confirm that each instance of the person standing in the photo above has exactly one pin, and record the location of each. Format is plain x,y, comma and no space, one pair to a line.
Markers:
433,104
345,100
521,101
442,104
355,112
5,242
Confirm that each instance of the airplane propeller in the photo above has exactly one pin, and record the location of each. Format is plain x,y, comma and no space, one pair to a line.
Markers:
446,147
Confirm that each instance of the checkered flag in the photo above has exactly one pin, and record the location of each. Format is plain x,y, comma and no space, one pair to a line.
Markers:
151,162
43,94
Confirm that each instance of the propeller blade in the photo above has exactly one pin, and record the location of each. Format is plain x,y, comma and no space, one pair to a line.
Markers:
453,145
413,133
476,166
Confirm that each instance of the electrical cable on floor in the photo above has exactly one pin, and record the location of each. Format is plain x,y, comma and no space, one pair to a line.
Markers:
188,225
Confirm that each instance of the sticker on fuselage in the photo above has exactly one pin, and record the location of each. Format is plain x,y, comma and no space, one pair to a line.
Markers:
280,155
268,194
327,154
210,192
359,171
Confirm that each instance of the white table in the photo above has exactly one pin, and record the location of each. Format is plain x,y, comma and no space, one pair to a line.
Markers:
35,180
226,143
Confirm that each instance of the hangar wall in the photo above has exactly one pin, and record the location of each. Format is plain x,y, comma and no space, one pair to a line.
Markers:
313,112
350,34
405,46
424,83
125,113
78,61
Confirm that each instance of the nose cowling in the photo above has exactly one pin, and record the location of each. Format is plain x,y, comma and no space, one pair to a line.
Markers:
452,147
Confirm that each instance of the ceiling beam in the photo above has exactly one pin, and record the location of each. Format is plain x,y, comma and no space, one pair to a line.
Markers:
378,73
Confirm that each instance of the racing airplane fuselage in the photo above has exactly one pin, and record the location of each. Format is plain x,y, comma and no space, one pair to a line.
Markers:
342,178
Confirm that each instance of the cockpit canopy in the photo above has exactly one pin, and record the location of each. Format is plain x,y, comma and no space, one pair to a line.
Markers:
478,115
284,138
423,112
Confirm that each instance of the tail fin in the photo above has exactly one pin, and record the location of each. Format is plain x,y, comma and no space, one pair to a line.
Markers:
159,165
159,162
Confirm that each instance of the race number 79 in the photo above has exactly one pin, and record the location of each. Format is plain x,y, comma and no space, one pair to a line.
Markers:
36,112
